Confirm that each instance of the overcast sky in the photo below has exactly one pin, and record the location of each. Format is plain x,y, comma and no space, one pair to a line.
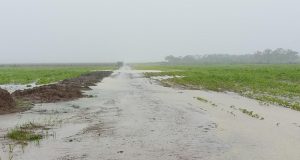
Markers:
142,30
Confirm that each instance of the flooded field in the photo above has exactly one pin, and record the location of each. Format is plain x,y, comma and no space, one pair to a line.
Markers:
129,116
150,80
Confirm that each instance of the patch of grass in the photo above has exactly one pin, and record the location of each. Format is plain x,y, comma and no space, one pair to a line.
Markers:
23,135
202,99
27,132
206,101
45,74
251,113
276,84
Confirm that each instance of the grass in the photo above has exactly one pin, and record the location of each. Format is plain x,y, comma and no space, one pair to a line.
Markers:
30,132
27,132
44,74
206,101
277,84
202,99
23,135
251,114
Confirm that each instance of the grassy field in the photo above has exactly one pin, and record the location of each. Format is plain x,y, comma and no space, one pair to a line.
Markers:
44,74
277,84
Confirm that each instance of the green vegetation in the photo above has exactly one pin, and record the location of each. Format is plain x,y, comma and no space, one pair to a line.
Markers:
277,84
202,99
26,132
251,114
23,135
45,74
268,56
206,101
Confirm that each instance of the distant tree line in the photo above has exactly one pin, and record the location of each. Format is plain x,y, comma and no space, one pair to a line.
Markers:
268,56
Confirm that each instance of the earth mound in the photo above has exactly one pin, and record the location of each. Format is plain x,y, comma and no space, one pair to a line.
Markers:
6,101
65,90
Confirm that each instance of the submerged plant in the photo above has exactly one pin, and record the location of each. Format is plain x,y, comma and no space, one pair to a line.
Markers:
22,135
202,99
27,132
272,84
251,113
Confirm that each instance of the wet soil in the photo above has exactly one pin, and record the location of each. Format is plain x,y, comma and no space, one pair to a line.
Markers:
6,101
65,90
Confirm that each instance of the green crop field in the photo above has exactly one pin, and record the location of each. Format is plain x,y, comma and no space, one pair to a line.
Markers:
44,74
277,84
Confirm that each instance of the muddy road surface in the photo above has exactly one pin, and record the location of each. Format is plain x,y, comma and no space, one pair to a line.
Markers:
129,117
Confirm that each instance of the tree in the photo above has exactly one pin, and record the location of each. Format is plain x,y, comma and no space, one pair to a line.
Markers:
267,56
172,59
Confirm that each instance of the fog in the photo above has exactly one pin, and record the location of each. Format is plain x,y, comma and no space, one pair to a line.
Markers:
35,31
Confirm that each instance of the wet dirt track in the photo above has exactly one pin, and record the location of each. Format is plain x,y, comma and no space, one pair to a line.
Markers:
131,117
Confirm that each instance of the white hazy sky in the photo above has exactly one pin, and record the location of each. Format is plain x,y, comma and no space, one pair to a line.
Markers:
142,30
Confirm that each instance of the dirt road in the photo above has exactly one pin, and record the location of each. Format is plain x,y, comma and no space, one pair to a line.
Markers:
133,118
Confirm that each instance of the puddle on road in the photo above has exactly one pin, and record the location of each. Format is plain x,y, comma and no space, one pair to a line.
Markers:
126,117
13,87
75,118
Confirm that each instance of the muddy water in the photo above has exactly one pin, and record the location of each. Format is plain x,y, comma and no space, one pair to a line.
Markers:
131,117
13,87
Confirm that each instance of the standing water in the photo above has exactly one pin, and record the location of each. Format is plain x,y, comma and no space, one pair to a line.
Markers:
132,117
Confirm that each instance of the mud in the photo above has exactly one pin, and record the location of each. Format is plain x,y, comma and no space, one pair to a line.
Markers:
65,90
6,101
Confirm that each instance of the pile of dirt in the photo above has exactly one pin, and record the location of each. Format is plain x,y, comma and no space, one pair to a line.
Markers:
48,93
65,90
86,80
6,101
